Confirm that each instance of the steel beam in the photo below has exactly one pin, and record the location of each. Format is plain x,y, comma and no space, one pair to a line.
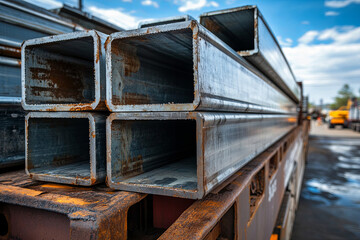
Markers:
65,147
20,21
164,21
35,210
185,154
203,217
12,137
10,83
245,30
184,67
64,72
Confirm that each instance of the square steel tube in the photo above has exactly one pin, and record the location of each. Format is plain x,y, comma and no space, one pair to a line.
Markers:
184,67
65,147
185,154
12,136
245,30
64,72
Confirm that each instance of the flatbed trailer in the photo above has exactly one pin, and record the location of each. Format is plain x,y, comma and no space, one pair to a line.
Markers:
246,206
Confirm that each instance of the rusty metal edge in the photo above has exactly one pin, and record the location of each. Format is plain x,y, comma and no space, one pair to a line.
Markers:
99,77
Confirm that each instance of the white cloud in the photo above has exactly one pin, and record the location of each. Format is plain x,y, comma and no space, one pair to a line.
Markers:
340,3
341,35
150,3
190,5
331,13
305,22
48,4
116,16
287,42
325,67
127,1
308,37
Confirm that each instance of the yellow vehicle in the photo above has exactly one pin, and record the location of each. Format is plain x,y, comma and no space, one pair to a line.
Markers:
340,116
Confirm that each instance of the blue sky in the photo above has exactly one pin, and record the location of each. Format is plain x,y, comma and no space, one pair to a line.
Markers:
321,39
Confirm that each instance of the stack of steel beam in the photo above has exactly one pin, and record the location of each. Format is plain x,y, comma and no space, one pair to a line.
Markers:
188,110
19,21
63,79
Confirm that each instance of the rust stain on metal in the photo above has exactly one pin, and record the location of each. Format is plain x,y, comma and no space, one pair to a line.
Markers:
62,187
94,213
211,25
106,42
80,107
131,99
98,52
21,191
130,60
66,199
64,79
10,51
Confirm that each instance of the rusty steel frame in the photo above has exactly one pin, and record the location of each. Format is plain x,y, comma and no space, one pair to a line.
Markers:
184,67
39,210
200,219
185,154
164,21
64,72
65,147
100,213
246,31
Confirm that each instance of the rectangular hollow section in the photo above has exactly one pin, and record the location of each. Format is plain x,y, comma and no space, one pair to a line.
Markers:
60,72
236,28
59,147
153,69
154,153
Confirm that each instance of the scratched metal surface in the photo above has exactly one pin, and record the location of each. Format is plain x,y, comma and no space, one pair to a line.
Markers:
12,137
245,30
184,67
64,72
66,147
185,154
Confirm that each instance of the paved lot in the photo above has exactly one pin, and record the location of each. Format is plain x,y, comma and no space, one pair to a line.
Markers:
330,199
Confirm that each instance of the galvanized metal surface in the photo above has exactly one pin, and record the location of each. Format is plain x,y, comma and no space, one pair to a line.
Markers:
66,147
12,137
164,21
200,220
245,30
64,72
184,67
185,154
38,210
